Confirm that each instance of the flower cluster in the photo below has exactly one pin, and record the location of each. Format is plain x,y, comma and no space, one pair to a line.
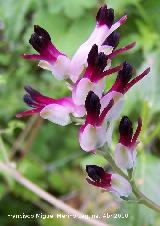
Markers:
87,72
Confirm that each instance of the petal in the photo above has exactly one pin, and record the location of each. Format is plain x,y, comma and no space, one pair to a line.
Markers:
56,113
60,68
81,90
137,132
124,157
98,36
33,57
99,184
98,87
121,50
117,24
120,186
109,134
44,64
28,112
76,110
79,111
79,60
106,49
92,138
115,111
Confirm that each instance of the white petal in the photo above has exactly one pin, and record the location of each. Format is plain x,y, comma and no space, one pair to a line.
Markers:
79,111
76,110
108,65
60,69
120,186
80,91
109,134
92,138
106,49
44,64
98,87
98,36
79,60
115,111
124,157
56,113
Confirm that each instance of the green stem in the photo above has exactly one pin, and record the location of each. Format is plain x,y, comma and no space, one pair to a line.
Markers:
140,196
143,199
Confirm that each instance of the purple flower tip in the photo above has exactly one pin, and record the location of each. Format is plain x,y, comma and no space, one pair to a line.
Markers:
101,63
97,61
125,74
92,56
95,172
92,104
32,92
28,100
112,39
39,39
105,16
125,130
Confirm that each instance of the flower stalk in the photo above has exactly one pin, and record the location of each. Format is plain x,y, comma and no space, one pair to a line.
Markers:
141,198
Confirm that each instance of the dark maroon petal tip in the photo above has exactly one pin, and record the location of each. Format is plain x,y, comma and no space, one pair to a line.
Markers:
39,39
96,61
125,131
101,63
105,16
28,100
92,104
31,91
92,56
96,173
125,75
112,39
42,32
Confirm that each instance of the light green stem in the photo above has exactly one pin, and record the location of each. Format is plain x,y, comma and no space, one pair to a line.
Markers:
140,196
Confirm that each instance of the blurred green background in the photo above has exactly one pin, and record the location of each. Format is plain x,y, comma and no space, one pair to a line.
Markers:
50,155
